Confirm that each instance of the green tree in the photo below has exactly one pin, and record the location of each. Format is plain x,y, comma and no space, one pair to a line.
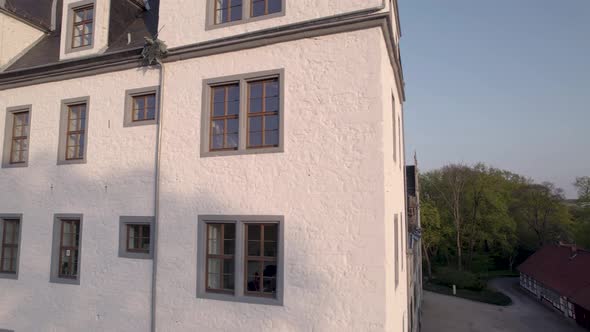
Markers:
432,232
540,207
583,185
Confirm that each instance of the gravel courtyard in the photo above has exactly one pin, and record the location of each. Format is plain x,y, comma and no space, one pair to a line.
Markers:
443,313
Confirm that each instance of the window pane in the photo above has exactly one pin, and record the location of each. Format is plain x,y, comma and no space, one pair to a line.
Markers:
151,113
255,124
233,107
232,141
151,101
217,142
232,126
253,232
236,10
269,283
253,276
272,88
79,16
271,122
218,127
271,138
90,13
274,6
272,104
233,93
77,41
256,90
219,94
253,248
214,238
255,139
258,7
255,106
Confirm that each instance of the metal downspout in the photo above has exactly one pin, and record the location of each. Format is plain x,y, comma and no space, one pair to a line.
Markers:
157,197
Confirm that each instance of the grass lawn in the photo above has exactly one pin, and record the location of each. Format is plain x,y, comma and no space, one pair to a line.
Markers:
486,295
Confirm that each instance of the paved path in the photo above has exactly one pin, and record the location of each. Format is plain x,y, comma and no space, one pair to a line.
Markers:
443,313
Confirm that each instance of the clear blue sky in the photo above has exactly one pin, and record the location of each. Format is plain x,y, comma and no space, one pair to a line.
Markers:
505,82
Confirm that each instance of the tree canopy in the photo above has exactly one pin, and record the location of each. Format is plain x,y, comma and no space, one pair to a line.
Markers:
481,218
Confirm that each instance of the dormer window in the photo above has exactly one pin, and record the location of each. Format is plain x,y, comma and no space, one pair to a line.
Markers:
222,13
80,25
83,26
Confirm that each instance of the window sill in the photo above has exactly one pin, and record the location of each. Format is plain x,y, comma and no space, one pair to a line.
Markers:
71,161
246,20
7,275
220,153
15,165
240,299
140,123
66,281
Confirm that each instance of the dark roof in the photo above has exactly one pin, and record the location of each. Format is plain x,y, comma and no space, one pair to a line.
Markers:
562,269
125,18
37,12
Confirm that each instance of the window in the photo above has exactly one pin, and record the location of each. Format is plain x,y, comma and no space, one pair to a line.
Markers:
396,248
222,13
141,106
20,138
399,141
83,26
66,253
76,132
263,113
68,248
16,139
241,258
394,129
135,237
221,240
73,131
225,109
228,11
243,114
261,259
10,229
138,238
80,26
265,7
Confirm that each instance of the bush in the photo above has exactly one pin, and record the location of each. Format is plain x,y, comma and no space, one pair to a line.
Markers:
485,295
462,279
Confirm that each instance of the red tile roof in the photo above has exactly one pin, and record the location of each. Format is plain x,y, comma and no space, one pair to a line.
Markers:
559,268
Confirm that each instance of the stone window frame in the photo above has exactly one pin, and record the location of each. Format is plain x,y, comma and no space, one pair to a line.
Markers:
128,114
239,294
63,127
135,220
55,248
396,250
7,148
19,217
246,17
70,26
243,80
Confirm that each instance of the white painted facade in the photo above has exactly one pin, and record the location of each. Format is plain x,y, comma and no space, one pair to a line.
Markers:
336,184
15,38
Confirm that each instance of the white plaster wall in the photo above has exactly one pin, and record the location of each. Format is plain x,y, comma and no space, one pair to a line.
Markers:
394,193
187,26
101,30
329,185
114,293
334,184
15,38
